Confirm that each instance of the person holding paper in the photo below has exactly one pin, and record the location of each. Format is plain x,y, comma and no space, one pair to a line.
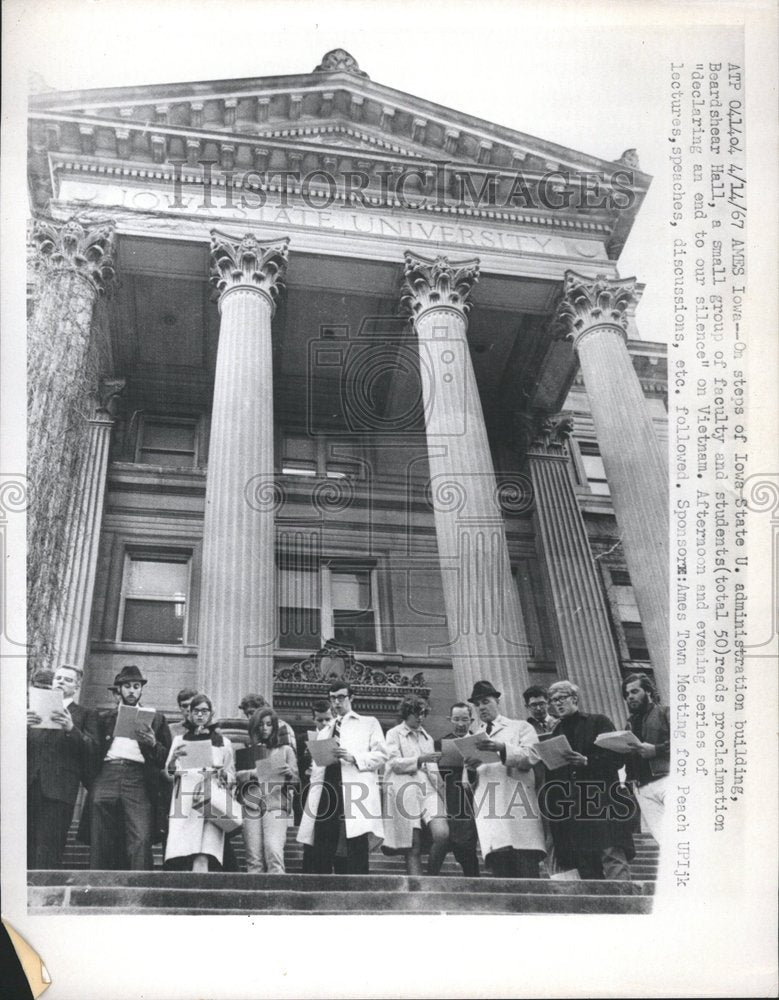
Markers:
413,790
322,716
459,796
193,843
537,703
265,793
648,764
251,702
126,804
58,761
589,811
342,818
508,820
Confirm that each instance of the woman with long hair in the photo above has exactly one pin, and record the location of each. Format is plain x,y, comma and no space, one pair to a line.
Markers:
414,793
267,805
194,843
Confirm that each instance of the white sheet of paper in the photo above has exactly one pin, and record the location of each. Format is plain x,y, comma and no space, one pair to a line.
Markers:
199,753
467,747
323,751
551,751
269,768
618,741
44,701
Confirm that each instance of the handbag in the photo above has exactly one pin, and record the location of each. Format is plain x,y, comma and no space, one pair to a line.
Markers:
216,805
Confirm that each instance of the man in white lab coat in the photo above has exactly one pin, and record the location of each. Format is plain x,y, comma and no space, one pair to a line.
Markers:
342,817
508,822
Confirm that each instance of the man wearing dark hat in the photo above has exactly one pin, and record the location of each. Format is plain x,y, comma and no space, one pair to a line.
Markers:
508,822
126,793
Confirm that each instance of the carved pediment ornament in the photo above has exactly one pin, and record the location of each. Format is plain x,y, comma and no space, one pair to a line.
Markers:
339,61
242,261
589,303
336,662
79,246
437,283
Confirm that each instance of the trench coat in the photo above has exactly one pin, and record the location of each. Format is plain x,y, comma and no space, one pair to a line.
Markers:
188,832
406,785
505,802
361,736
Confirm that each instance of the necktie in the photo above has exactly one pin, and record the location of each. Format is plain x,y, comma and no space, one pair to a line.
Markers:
337,729
489,728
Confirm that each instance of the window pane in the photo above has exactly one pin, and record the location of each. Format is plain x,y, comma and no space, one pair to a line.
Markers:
157,577
301,448
298,588
298,469
153,621
299,628
621,578
636,642
168,459
355,628
161,436
351,590
594,467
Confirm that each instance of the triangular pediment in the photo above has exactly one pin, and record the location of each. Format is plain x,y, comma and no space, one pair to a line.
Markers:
334,115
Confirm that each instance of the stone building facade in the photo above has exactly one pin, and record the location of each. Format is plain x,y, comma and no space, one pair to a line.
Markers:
325,377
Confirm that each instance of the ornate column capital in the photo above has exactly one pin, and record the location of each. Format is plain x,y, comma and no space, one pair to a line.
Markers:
107,397
244,262
592,303
545,434
80,247
437,284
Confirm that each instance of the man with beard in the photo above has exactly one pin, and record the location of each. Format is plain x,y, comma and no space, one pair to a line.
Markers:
590,812
126,807
647,765
58,761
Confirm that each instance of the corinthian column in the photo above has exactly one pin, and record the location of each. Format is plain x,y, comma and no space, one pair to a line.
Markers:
238,596
75,266
486,631
574,585
592,314
71,634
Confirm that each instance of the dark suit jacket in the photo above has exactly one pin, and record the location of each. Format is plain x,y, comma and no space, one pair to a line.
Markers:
587,807
654,727
61,761
154,760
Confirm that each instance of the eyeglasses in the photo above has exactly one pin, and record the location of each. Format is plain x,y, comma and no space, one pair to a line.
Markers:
200,711
560,697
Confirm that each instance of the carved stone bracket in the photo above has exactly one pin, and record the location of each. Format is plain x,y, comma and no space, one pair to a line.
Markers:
81,247
590,303
246,263
438,283
108,394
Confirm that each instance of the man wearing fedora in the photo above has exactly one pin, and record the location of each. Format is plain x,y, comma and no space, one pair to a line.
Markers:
126,810
508,822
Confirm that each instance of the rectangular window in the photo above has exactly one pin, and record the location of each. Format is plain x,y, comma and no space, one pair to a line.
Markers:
636,641
621,578
167,441
154,599
316,457
594,469
354,621
330,602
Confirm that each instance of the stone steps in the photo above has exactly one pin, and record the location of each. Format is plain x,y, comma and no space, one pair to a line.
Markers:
235,893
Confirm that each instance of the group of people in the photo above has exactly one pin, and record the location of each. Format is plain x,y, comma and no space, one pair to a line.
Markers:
393,789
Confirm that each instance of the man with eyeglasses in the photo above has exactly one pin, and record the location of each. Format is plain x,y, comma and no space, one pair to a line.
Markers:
537,703
590,812
342,819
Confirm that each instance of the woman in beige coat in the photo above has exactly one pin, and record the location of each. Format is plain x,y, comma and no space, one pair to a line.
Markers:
413,791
